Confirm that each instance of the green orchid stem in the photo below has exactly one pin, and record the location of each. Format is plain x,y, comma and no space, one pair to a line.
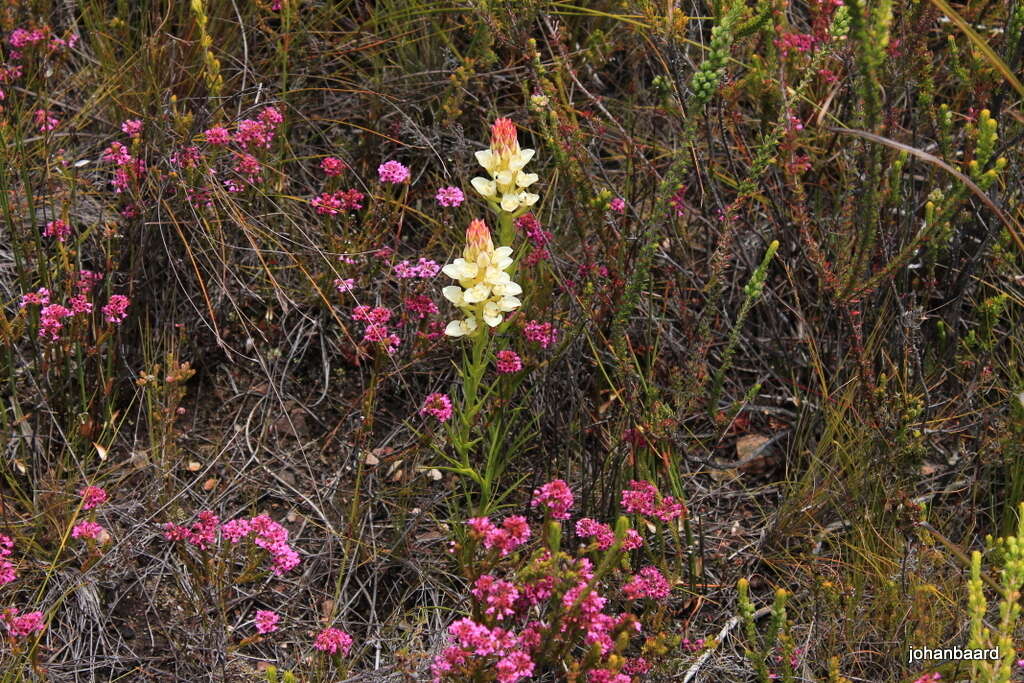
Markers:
473,368
505,228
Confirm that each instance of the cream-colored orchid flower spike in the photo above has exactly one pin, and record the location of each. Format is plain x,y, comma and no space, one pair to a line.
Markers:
485,291
504,161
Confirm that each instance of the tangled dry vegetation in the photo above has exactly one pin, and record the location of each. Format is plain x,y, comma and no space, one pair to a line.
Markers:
738,403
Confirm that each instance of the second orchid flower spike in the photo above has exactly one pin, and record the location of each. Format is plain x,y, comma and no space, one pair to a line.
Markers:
504,161
485,291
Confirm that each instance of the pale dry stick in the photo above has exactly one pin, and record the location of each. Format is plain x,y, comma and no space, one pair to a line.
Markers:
722,635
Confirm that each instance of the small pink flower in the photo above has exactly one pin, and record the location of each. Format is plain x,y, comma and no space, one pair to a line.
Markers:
236,529
333,640
132,127
87,280
508,362
50,318
58,229
333,166
424,268
7,573
513,667
393,172
618,205
21,626
266,621
600,532
648,583
544,334
80,305
556,497
421,305
450,196
438,405
41,297
218,136
115,311
346,285
45,120
87,530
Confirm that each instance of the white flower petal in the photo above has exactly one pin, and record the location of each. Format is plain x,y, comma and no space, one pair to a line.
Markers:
507,289
487,188
503,252
510,202
526,179
455,329
453,294
528,199
486,159
492,316
477,293
509,303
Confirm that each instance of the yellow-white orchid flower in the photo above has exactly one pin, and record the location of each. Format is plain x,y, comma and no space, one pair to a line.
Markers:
504,161
485,291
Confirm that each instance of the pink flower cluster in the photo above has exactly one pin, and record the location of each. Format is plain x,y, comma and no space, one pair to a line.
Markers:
508,361
531,227
642,498
377,329
437,405
546,609
266,621
513,532
115,310
258,132
544,334
796,42
474,641
265,532
450,196
604,535
130,170
333,203
88,530
618,205
58,229
648,583
344,285
424,268
45,120
51,316
333,641
555,497
332,166
421,305
132,128
393,172
20,626
92,496
7,572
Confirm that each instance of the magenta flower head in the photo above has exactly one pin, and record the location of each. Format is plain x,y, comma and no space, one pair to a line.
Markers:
92,496
438,405
132,127
115,311
508,361
333,641
450,196
393,172
58,229
556,497
332,166
266,621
